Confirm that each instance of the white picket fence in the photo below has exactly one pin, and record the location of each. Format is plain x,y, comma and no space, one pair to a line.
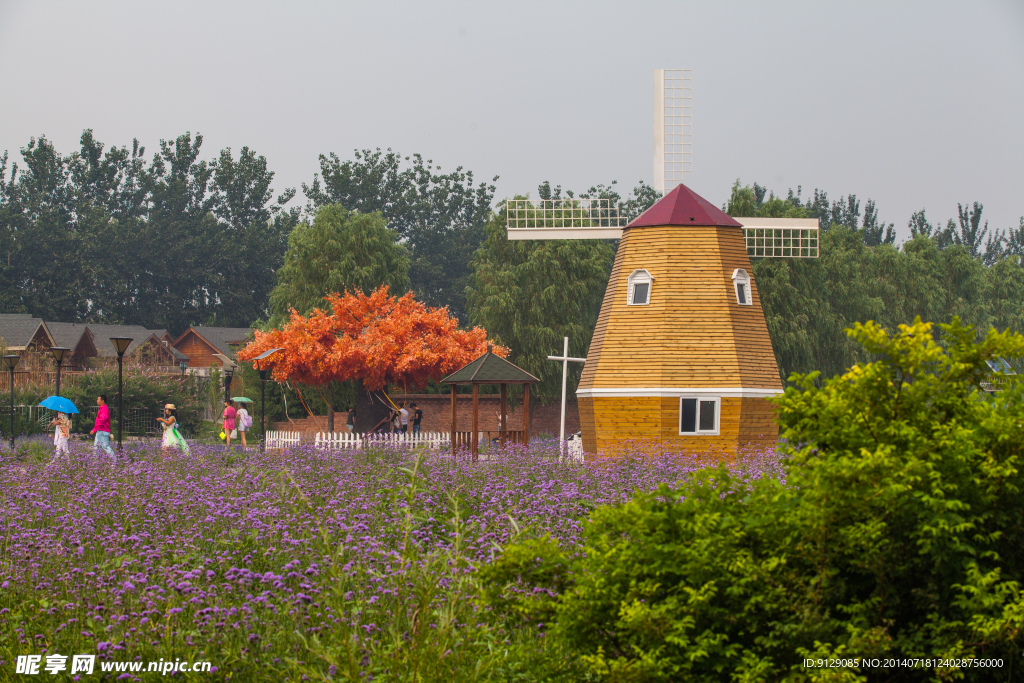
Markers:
283,439
434,440
352,440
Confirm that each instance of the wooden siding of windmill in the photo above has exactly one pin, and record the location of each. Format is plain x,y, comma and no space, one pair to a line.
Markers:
692,339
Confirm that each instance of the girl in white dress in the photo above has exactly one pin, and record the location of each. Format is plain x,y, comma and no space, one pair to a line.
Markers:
171,438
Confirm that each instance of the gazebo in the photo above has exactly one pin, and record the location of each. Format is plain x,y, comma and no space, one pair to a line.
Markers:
490,369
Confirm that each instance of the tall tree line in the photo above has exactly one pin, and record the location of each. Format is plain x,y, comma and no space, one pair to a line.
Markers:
437,217
102,235
107,235
960,269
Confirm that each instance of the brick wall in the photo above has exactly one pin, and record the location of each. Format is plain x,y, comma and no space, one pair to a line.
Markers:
437,416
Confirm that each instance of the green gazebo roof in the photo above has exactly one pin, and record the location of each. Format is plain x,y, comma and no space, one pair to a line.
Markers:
490,369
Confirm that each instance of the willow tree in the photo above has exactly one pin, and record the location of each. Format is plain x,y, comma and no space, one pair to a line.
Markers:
341,250
531,294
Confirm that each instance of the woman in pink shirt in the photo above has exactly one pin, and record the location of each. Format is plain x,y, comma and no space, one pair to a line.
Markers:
229,421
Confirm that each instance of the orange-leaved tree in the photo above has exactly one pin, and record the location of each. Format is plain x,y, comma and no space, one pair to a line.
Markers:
375,339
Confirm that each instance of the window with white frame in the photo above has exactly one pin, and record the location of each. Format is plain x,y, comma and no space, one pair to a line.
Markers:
698,415
639,288
741,283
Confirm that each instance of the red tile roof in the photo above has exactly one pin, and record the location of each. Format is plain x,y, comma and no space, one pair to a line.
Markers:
683,206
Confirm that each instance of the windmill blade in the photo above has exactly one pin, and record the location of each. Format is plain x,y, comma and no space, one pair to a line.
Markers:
780,237
563,219
673,127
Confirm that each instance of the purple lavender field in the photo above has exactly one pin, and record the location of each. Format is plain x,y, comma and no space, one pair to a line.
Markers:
298,565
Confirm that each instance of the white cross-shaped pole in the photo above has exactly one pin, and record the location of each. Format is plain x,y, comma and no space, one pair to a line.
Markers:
565,371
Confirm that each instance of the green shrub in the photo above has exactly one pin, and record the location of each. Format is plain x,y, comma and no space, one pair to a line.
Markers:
899,533
24,422
143,390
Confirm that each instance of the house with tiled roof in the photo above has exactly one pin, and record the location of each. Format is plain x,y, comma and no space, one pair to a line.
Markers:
78,338
145,343
201,343
90,343
20,332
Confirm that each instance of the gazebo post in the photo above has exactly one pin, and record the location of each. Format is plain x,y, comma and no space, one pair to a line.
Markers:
490,369
526,414
502,425
453,421
476,391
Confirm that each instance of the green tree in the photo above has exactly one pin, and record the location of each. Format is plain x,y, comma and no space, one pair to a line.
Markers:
253,237
873,231
9,300
1014,241
112,203
43,242
175,242
971,234
180,220
340,251
1005,287
531,294
438,217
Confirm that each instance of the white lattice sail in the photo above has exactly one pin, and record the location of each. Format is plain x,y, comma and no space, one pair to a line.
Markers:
570,218
780,237
581,219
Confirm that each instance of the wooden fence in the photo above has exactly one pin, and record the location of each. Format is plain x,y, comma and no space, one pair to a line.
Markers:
32,379
35,379
350,440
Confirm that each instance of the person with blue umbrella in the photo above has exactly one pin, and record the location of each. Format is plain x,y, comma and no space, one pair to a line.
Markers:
62,423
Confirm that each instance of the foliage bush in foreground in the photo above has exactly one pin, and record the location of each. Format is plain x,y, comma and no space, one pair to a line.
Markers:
898,533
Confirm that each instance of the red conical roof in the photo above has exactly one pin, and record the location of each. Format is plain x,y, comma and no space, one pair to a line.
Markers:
683,206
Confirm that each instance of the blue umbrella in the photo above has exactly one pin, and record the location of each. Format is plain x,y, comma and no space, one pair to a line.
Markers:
60,404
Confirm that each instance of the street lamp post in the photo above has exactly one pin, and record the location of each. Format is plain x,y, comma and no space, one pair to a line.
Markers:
263,393
229,369
11,362
121,345
183,364
58,355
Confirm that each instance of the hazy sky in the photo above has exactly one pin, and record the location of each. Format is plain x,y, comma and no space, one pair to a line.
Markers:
914,104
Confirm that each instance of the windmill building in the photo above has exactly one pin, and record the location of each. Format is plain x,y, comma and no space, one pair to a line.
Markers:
681,352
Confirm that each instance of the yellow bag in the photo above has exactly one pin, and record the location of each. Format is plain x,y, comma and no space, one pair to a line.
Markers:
223,436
